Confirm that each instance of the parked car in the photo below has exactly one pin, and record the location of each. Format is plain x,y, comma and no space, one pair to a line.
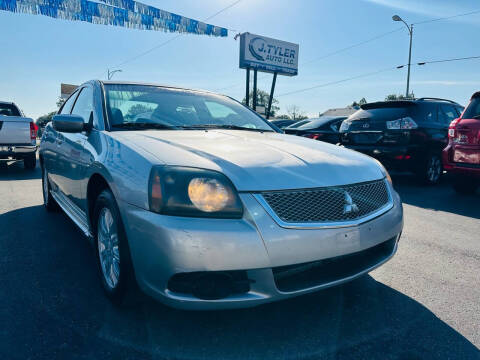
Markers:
298,123
406,135
205,205
324,128
462,155
283,123
18,136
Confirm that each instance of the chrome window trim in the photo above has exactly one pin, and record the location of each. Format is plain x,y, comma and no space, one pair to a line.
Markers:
324,225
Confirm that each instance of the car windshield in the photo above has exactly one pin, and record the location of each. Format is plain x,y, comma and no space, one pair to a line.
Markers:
9,110
473,109
151,107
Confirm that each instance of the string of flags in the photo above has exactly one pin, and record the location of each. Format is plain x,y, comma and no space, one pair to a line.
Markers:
126,13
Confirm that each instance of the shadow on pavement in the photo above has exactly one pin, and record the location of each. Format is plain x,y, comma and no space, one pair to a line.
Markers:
441,197
51,300
15,171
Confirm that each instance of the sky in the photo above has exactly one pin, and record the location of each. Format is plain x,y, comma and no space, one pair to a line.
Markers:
38,53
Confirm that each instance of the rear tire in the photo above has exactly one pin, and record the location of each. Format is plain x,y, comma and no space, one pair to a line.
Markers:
430,171
30,162
465,185
112,251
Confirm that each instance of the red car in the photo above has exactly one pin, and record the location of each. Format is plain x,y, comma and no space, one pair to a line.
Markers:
462,155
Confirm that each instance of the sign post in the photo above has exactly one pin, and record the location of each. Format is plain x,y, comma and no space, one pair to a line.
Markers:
265,54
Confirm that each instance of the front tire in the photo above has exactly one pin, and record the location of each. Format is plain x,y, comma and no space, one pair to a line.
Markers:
111,248
30,162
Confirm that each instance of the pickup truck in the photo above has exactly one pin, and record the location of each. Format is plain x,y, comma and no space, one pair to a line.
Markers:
18,136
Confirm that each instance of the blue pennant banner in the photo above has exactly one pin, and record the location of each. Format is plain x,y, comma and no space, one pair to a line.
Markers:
125,13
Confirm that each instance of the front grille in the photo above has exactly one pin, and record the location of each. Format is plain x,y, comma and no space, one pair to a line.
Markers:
303,276
329,204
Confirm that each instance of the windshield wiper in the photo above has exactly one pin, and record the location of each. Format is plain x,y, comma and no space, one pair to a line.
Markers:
143,126
225,126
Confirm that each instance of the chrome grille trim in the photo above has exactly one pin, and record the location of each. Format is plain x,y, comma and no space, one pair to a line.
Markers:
325,224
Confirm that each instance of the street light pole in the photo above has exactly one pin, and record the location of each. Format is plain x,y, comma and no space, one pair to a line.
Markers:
410,32
110,73
409,60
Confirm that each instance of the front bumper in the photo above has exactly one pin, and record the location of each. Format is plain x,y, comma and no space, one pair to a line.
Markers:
16,151
162,246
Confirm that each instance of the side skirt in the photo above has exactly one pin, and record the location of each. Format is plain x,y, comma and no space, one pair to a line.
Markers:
74,212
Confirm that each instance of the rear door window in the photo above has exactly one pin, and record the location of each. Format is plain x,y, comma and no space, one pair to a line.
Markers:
9,110
446,114
473,109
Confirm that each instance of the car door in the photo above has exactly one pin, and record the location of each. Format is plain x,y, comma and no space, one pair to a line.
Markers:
72,149
52,144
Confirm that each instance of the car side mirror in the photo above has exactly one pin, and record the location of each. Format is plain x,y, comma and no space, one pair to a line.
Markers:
68,123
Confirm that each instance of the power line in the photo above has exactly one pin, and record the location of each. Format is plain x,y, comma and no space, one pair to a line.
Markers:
338,81
447,17
325,56
448,60
175,37
374,73
352,46
365,42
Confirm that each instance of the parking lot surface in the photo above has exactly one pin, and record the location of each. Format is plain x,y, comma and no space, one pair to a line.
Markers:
423,304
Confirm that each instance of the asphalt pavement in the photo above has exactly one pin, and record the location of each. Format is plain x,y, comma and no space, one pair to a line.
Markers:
423,304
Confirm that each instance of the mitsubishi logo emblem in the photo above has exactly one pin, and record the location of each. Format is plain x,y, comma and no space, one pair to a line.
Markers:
350,206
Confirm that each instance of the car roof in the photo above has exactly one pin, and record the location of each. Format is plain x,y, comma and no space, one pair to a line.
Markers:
405,102
7,102
117,82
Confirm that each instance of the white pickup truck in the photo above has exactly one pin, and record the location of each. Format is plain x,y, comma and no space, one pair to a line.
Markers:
17,136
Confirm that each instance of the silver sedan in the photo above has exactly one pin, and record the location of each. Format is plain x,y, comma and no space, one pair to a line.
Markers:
204,205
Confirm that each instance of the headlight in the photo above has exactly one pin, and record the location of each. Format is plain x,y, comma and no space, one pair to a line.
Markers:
185,191
345,125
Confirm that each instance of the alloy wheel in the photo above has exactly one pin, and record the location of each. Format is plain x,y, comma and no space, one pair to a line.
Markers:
434,169
108,250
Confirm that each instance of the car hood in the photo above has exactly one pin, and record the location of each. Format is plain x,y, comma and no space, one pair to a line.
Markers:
257,161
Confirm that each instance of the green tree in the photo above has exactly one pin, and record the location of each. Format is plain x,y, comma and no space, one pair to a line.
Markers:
262,100
362,101
393,97
60,102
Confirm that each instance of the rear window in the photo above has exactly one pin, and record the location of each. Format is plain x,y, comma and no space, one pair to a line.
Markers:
473,109
9,110
382,113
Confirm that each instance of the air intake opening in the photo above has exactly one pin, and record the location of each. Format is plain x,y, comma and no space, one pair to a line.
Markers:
210,285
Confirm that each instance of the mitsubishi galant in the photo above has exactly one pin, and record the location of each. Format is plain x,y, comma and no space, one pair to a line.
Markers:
204,205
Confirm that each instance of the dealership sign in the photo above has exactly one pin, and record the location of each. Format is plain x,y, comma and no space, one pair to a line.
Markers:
268,55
